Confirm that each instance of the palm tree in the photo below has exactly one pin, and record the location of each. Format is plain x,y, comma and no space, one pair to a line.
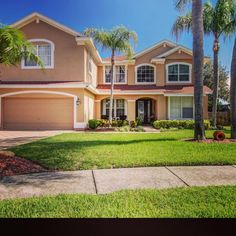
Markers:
14,47
233,93
198,57
218,20
116,40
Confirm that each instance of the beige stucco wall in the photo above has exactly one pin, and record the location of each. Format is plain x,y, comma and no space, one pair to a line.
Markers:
69,57
160,68
131,104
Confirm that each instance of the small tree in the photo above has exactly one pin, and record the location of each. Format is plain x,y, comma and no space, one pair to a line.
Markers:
224,92
14,47
117,40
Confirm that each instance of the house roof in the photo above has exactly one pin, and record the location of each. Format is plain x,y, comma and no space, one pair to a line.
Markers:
175,48
80,38
37,16
165,41
169,89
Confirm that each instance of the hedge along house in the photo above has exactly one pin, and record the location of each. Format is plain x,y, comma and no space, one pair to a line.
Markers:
74,86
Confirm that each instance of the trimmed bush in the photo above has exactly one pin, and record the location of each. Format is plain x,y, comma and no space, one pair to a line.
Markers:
133,124
180,124
104,123
94,124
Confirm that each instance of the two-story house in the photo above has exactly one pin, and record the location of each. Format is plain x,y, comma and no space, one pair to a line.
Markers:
74,86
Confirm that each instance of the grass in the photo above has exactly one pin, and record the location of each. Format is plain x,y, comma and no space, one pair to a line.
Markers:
76,151
194,202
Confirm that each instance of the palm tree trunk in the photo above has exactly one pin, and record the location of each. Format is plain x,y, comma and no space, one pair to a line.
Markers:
215,81
233,93
198,56
112,87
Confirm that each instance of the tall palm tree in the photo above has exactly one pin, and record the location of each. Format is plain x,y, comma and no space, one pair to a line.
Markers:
116,40
198,57
14,47
218,20
233,93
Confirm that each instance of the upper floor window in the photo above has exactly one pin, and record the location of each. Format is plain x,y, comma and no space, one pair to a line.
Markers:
120,74
44,49
179,72
90,66
145,74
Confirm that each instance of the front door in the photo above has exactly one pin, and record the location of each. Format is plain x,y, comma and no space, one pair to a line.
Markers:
144,110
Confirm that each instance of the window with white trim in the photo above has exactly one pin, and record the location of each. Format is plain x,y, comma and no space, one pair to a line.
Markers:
181,108
145,74
44,50
120,74
179,72
90,66
118,108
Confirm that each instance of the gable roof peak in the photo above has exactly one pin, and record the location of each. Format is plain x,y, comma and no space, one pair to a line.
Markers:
35,15
165,41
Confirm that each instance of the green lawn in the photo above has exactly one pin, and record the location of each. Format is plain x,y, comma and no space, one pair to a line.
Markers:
74,151
181,202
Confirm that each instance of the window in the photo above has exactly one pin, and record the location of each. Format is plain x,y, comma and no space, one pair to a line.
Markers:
145,74
43,49
179,73
180,108
90,66
120,74
118,107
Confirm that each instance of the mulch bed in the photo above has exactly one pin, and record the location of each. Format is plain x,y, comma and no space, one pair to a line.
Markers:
15,166
211,141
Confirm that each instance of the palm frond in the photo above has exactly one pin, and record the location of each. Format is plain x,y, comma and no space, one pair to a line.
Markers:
180,4
183,23
14,47
118,39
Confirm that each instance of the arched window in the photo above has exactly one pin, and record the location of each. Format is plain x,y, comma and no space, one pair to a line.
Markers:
145,74
179,72
43,49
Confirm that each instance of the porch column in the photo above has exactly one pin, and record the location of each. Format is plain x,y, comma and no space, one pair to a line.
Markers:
131,110
97,108
162,108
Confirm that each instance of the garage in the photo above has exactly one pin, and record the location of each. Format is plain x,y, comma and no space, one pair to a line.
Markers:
37,113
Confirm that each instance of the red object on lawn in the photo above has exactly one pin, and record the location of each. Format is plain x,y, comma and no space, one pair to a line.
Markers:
219,136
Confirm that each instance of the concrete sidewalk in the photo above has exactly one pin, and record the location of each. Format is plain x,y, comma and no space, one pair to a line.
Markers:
107,181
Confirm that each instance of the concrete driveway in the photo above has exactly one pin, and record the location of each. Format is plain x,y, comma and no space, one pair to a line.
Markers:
13,138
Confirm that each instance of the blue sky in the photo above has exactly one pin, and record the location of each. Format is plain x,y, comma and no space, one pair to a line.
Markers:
151,19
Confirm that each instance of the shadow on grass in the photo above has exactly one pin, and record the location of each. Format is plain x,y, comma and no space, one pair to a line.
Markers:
78,144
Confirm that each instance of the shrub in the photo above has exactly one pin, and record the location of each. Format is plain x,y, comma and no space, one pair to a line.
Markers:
133,124
180,124
219,135
125,123
123,129
114,123
137,129
104,123
139,121
94,124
